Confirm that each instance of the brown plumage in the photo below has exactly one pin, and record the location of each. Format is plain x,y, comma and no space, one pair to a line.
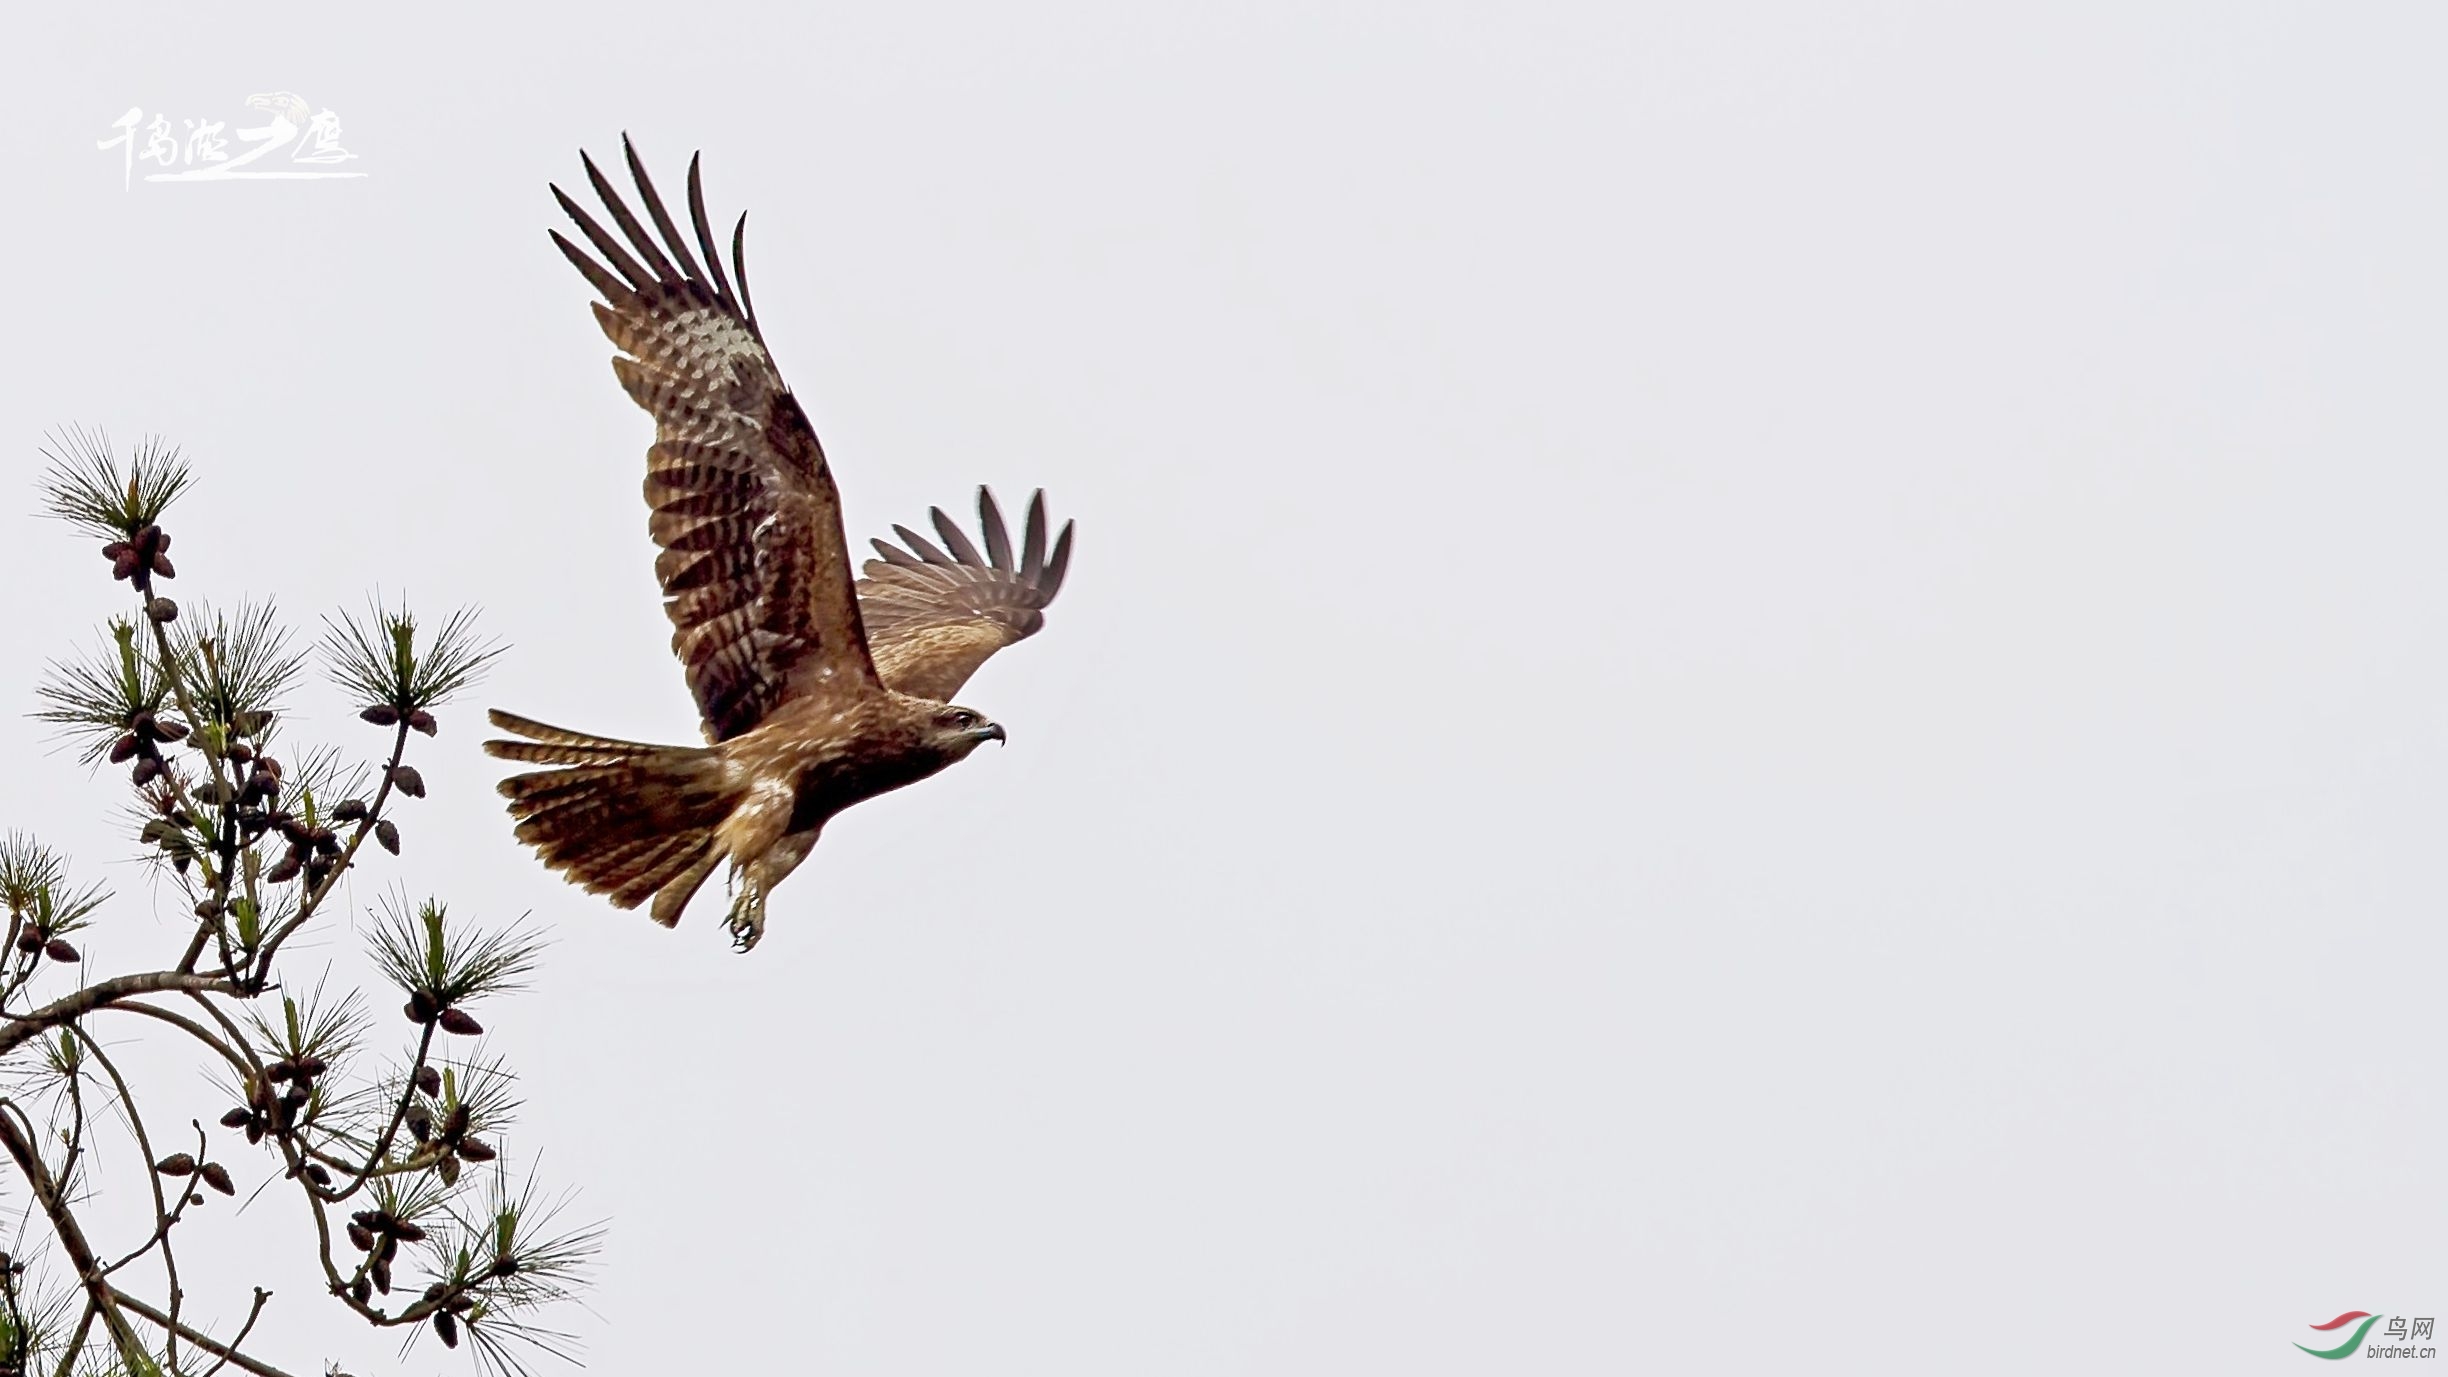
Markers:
816,693
933,616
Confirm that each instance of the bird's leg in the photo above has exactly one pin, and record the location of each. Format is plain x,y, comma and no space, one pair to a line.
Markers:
755,879
756,828
747,918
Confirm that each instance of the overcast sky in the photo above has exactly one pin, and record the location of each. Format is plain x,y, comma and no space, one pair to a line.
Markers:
1746,688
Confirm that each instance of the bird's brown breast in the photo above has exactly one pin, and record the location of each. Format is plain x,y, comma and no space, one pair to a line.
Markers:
835,754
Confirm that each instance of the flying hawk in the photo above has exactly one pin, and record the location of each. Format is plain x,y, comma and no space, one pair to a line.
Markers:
816,693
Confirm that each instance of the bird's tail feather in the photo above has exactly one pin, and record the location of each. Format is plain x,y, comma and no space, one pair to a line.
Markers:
620,818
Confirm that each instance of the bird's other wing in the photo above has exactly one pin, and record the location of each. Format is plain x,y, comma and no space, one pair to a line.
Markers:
934,613
754,567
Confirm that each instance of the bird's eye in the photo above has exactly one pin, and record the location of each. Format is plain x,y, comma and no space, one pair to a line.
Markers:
964,720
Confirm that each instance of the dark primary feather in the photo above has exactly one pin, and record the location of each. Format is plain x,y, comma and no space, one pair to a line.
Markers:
754,567
935,613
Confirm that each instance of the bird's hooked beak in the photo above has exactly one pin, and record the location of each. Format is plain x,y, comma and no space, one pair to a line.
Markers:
992,731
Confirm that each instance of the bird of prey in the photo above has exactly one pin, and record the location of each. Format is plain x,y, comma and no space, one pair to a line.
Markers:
816,693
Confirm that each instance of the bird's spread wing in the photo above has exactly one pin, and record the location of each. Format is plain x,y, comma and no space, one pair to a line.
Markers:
934,613
754,567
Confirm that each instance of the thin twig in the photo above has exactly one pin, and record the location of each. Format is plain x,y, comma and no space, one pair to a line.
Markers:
348,857
226,1352
76,1341
238,1340
177,679
163,1215
399,1114
188,1026
20,1145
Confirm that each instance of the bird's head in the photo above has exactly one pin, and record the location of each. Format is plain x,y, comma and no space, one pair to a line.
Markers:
957,731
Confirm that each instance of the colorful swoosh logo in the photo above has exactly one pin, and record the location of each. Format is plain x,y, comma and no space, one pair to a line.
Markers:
2368,1318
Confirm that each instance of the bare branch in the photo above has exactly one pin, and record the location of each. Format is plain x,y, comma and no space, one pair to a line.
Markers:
102,993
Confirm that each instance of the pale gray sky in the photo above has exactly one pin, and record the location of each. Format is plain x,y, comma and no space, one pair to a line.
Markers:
1747,688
